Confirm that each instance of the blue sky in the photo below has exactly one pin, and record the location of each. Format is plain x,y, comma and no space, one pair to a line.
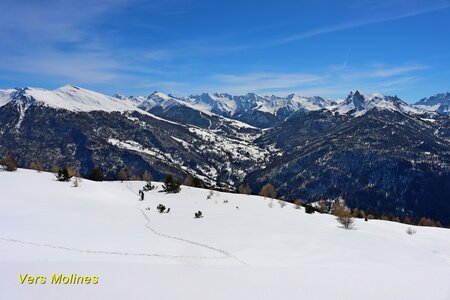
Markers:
182,47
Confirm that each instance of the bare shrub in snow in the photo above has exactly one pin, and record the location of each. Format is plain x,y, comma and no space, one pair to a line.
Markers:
323,208
282,203
297,203
37,166
343,215
346,220
55,169
410,231
270,203
9,163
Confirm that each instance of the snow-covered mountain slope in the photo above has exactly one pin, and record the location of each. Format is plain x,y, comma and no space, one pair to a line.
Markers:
5,96
239,250
269,111
259,111
231,105
439,103
250,109
358,104
67,97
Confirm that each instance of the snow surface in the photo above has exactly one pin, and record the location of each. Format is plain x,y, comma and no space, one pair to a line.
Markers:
249,252
76,99
5,96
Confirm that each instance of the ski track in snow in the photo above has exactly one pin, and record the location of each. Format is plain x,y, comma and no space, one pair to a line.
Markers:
225,253
110,252
104,251
221,251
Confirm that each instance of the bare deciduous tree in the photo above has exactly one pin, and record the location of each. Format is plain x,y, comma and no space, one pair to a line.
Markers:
268,191
245,189
147,176
188,180
9,163
122,175
343,215
37,166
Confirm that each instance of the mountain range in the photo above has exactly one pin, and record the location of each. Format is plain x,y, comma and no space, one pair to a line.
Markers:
377,152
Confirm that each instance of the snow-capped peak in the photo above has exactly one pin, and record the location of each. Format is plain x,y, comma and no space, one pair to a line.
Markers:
359,104
157,99
71,98
438,103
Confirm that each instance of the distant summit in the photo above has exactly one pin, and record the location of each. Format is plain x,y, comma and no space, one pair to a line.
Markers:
438,103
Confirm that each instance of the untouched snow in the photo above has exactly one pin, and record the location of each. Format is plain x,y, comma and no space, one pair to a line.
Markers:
253,252
77,99
5,96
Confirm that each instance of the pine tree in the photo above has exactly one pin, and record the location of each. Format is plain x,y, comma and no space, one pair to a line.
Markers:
198,183
148,186
171,185
96,174
63,175
161,208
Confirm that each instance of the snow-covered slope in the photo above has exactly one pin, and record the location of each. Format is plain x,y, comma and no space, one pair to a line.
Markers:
70,98
438,103
5,96
228,104
240,250
247,108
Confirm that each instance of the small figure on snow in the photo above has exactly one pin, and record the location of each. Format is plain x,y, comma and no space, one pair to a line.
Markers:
198,215
141,195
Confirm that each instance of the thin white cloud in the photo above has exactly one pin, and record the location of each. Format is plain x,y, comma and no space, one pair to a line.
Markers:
382,72
356,24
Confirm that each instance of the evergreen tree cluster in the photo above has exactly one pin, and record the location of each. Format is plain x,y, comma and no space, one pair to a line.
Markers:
171,185
63,174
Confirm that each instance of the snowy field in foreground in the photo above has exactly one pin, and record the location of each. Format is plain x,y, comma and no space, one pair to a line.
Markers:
254,252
